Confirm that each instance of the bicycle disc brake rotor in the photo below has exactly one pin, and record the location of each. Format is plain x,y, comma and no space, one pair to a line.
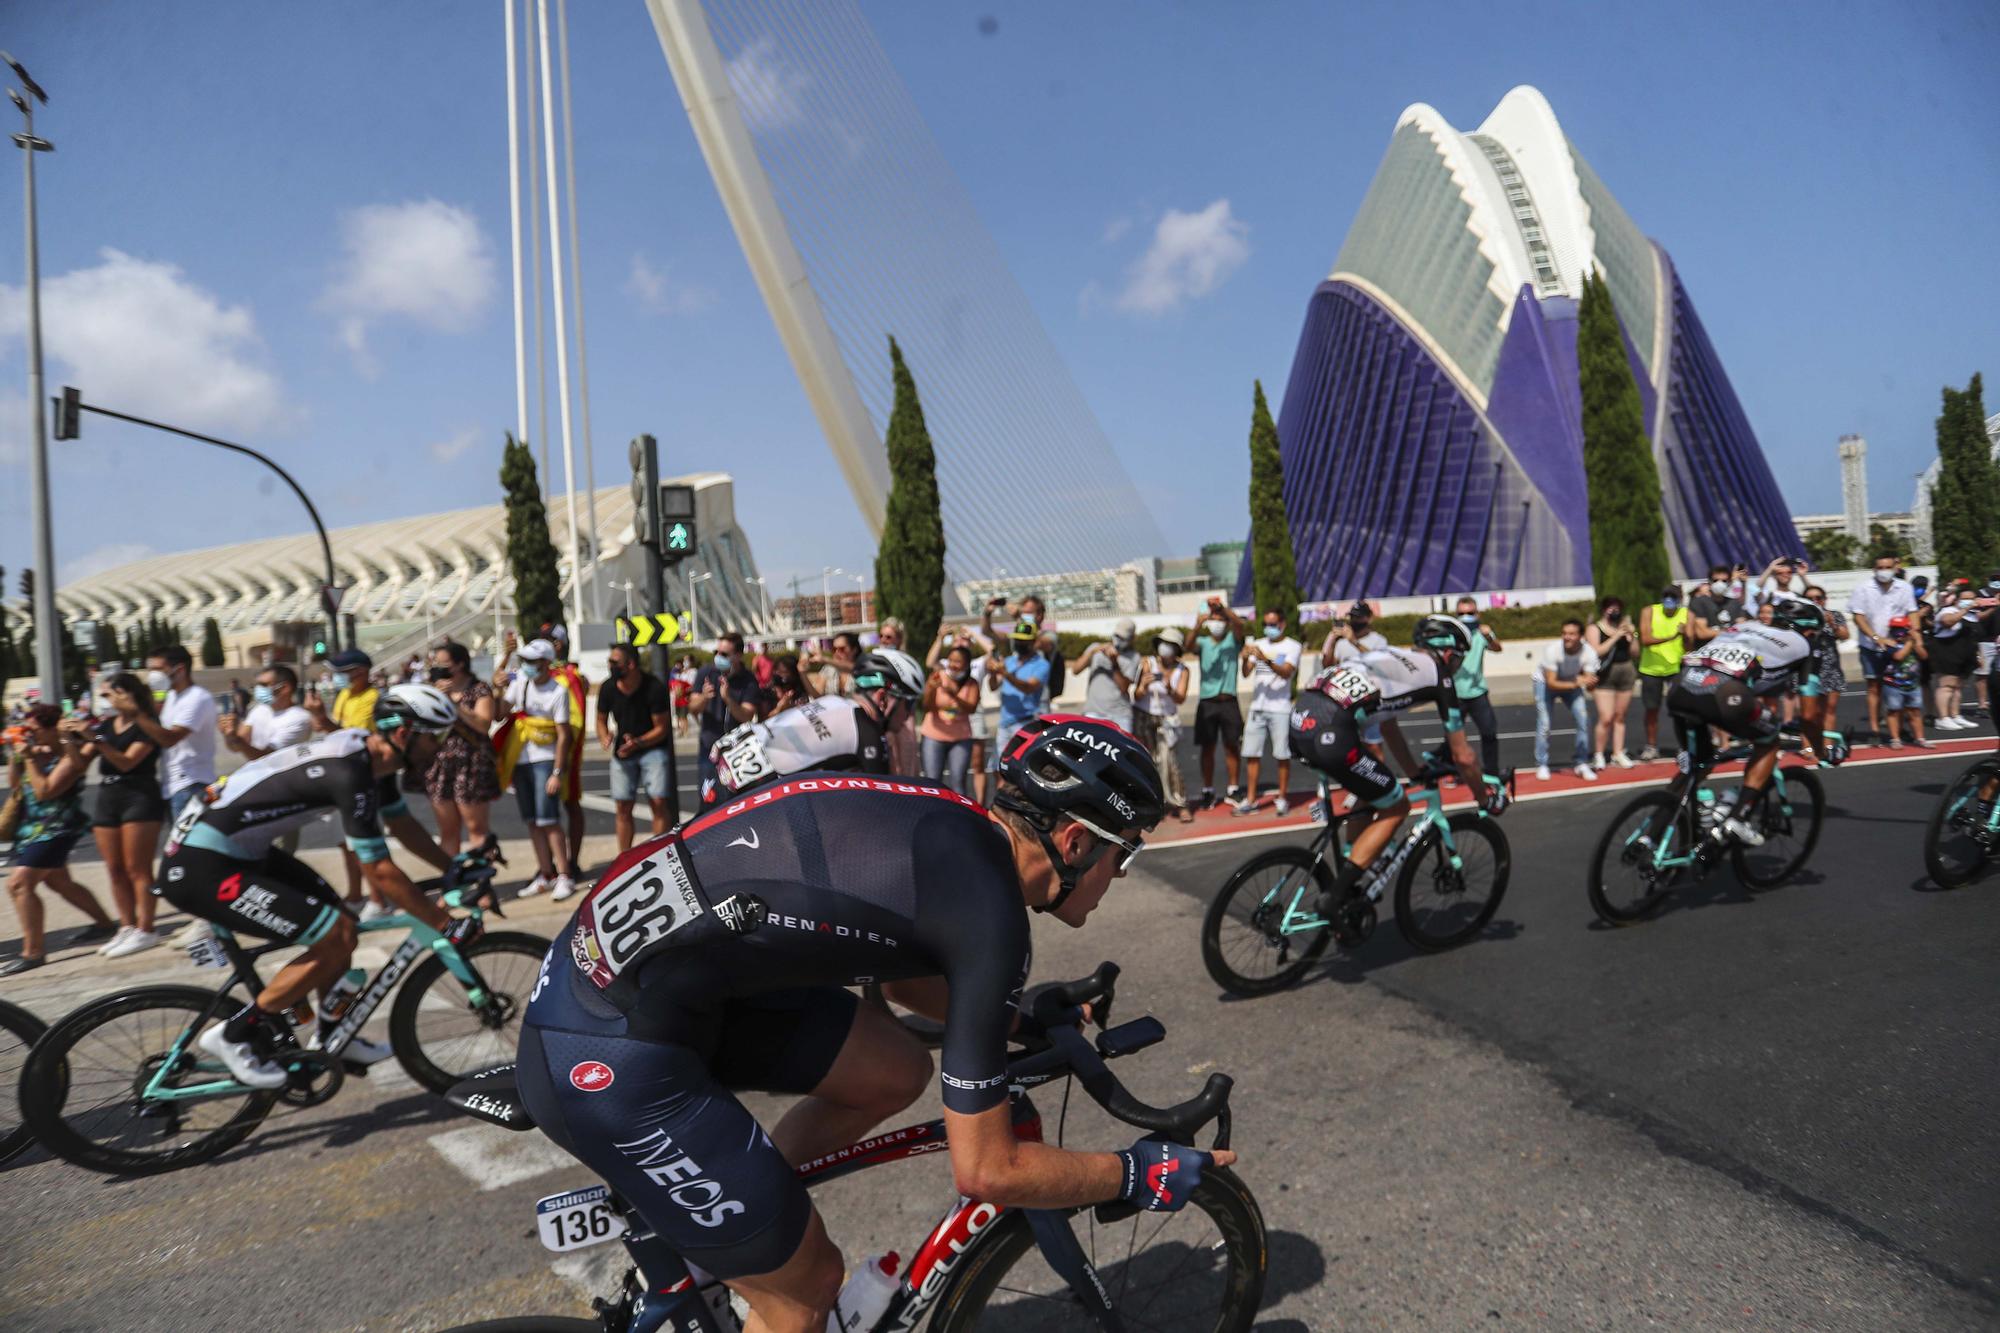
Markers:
312,1077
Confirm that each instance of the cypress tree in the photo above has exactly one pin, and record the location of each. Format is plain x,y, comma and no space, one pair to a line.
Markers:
1628,550
211,643
909,565
530,552
1273,572
1965,502
104,642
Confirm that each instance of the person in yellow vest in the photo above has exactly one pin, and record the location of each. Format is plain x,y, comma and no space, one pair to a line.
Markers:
534,750
1663,637
353,706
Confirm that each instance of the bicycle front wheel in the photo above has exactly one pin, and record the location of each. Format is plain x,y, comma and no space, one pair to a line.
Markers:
436,1030
1200,1270
1791,831
1626,879
83,1091
1960,838
1244,945
1441,902
19,1030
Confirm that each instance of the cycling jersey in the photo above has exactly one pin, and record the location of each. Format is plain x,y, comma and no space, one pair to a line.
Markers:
1765,659
1402,678
827,733
247,812
1326,735
712,960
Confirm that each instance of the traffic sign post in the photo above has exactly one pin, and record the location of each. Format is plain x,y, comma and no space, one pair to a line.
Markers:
651,502
649,631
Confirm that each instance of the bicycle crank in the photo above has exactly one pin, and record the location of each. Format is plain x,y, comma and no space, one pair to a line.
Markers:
312,1077
1354,923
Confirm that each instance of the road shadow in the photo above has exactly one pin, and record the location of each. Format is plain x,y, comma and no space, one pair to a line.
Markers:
1296,1263
345,1131
1386,947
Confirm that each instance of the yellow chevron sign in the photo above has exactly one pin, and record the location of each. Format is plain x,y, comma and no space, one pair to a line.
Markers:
644,631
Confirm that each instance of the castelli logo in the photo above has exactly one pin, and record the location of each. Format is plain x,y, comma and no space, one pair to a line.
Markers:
591,1076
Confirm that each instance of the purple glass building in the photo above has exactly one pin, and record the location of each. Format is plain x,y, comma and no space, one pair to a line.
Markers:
1432,431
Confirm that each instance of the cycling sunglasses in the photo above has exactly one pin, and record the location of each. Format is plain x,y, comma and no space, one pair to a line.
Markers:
1131,849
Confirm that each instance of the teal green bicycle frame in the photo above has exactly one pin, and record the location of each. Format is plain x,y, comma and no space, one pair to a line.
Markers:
421,937
1298,920
1664,858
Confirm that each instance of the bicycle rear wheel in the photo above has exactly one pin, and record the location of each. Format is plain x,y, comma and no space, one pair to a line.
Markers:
1625,883
1791,831
1439,904
1200,1270
439,1035
1243,943
1958,843
19,1030
82,1089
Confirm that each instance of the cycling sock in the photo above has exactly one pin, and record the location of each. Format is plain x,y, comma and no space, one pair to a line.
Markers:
1747,802
244,1022
1345,878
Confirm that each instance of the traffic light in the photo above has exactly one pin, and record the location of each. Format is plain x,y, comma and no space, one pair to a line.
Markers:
69,413
644,454
677,540
319,647
677,534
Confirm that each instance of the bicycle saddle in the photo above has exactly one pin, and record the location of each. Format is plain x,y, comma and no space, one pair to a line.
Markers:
491,1096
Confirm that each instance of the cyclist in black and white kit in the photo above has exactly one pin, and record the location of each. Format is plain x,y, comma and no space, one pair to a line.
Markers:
1340,721
222,864
831,732
713,960
1731,680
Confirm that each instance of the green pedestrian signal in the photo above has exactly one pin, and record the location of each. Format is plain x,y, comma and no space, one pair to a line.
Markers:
680,538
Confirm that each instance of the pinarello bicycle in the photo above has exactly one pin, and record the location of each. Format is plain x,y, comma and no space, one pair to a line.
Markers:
1964,832
1109,1266
120,1085
1263,929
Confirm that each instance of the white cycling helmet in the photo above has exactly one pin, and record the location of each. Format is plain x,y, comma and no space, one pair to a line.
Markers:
890,668
423,707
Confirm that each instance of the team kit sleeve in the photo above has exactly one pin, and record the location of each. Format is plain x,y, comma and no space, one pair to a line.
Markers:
978,932
361,815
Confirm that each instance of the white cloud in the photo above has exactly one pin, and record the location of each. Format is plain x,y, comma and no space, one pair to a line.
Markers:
137,335
1115,230
449,450
1191,255
767,86
424,261
657,292
92,563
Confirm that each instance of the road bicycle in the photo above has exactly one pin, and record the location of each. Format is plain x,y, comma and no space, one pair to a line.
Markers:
19,1030
1264,927
120,1086
1108,1267
1964,832
1659,838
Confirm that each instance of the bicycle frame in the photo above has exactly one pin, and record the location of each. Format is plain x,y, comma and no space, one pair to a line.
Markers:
1688,790
243,971
1382,873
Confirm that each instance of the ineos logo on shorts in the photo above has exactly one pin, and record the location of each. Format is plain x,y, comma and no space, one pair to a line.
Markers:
590,1076
1090,742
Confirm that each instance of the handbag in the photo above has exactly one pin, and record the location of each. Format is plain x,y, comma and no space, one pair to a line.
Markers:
16,804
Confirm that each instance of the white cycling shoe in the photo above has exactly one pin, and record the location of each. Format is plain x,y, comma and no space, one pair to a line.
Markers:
241,1059
359,1050
1747,834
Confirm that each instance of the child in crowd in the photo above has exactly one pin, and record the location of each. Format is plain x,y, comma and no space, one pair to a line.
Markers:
1902,696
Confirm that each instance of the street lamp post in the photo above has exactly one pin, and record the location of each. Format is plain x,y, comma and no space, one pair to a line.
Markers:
764,594
694,610
48,632
861,598
826,574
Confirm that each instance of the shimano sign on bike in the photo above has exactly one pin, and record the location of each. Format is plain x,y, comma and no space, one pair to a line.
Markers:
577,1220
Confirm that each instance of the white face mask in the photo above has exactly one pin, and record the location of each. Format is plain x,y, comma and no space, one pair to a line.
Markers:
1215,627
160,681
1121,641
1885,576
1168,652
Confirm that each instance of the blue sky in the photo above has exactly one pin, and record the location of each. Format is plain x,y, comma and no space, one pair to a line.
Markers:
288,225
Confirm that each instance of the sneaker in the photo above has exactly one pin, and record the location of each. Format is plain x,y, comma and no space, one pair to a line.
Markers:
1207,800
1283,807
92,934
116,940
1921,743
129,942
189,933
243,1063
539,884
1586,772
1649,754
565,887
1597,760
16,966
1895,745
1542,772
1243,807
1233,795
1622,759
375,911
1744,833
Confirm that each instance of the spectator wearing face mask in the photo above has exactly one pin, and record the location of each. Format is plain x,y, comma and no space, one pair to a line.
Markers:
128,810
1032,610
1615,641
1021,680
1902,697
977,649
353,706
1161,689
1872,605
632,726
463,781
788,687
1988,597
1470,684
725,696
1783,577
1273,662
274,720
1832,679
535,745
1664,633
833,674
1715,608
1952,653
1563,678
951,697
1110,670
184,729
1352,636
1218,717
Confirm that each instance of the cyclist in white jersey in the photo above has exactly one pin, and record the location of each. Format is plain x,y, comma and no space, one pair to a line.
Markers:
830,732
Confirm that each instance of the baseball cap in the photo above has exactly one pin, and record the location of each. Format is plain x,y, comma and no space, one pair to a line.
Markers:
1125,628
1024,629
1899,622
349,658
1173,634
537,650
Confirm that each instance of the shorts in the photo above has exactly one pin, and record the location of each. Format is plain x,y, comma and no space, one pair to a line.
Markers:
1359,772
1985,662
1219,717
1263,723
1896,697
658,1121
1652,689
127,803
980,730
531,793
45,853
1003,732
645,773
1709,700
277,898
1873,659
1619,676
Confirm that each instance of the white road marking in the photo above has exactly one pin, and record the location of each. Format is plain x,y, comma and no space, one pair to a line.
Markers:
493,1158
596,1271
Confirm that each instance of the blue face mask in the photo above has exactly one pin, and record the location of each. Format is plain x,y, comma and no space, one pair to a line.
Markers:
1274,631
1671,603
1469,618
722,661
263,694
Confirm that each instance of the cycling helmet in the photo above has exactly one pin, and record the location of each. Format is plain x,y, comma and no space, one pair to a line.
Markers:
891,669
1442,634
423,707
1798,615
1093,771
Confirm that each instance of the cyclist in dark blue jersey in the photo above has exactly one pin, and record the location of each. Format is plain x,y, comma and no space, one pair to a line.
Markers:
713,960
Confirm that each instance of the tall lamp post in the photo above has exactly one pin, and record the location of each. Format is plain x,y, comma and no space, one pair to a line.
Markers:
48,630
826,574
694,610
764,595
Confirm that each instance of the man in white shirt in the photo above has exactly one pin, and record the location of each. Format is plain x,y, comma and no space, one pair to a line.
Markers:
1872,606
1350,638
1564,678
540,703
1272,662
184,730
1110,670
1783,577
275,720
